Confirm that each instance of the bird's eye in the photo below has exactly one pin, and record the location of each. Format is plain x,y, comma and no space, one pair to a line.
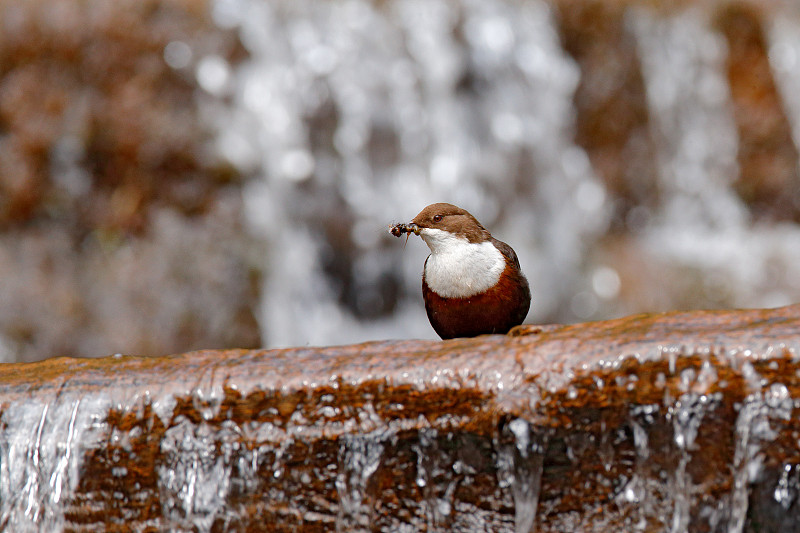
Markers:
437,218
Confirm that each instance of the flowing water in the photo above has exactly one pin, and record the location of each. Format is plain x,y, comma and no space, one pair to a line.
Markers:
714,451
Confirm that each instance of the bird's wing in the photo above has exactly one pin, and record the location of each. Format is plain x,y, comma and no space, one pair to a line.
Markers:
507,251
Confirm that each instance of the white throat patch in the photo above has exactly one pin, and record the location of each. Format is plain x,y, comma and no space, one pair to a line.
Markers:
458,268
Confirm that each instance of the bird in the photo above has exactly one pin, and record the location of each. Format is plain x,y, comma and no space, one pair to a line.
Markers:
472,283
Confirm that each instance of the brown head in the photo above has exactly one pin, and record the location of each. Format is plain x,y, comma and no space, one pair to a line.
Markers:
452,219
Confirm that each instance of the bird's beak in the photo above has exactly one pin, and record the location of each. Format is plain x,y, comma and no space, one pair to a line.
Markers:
413,228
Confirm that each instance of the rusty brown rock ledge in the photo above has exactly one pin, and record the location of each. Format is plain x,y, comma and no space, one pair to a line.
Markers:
680,421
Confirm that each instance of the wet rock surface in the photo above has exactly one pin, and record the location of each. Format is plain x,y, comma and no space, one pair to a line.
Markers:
671,422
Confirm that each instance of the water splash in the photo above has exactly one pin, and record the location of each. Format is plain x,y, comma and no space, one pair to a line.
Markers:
430,469
754,430
359,456
636,491
193,479
788,487
42,446
519,466
686,415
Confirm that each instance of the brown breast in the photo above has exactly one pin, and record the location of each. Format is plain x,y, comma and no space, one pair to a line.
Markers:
495,311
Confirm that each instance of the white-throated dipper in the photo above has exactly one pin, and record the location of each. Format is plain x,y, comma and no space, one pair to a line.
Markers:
472,283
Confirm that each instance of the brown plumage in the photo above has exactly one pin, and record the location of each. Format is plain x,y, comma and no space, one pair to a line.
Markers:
481,286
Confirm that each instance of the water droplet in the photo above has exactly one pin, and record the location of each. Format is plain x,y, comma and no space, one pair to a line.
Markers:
572,392
213,73
177,54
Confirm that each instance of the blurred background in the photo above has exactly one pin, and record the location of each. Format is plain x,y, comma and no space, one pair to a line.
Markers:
179,175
